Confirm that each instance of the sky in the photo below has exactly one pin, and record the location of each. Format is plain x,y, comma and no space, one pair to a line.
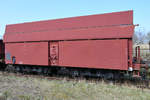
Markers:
20,11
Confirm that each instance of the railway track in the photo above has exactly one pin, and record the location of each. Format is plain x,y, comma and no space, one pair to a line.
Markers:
138,83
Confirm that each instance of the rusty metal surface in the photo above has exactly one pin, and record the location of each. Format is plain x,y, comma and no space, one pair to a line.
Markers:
105,54
27,53
54,53
130,52
111,25
137,66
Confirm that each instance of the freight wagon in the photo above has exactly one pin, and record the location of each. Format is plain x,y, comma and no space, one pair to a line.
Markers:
2,55
95,45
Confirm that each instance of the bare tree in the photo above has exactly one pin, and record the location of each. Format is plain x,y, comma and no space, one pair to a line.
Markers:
148,37
135,38
139,37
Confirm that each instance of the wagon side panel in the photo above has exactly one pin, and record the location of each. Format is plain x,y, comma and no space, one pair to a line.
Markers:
103,54
35,53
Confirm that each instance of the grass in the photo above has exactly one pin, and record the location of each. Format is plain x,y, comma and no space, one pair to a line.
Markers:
23,88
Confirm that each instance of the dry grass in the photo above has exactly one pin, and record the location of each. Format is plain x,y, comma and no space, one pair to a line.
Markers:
22,88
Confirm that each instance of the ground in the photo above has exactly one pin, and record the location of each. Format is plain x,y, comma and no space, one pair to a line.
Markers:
14,87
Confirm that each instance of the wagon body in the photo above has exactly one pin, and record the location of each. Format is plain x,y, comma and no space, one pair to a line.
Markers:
101,41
